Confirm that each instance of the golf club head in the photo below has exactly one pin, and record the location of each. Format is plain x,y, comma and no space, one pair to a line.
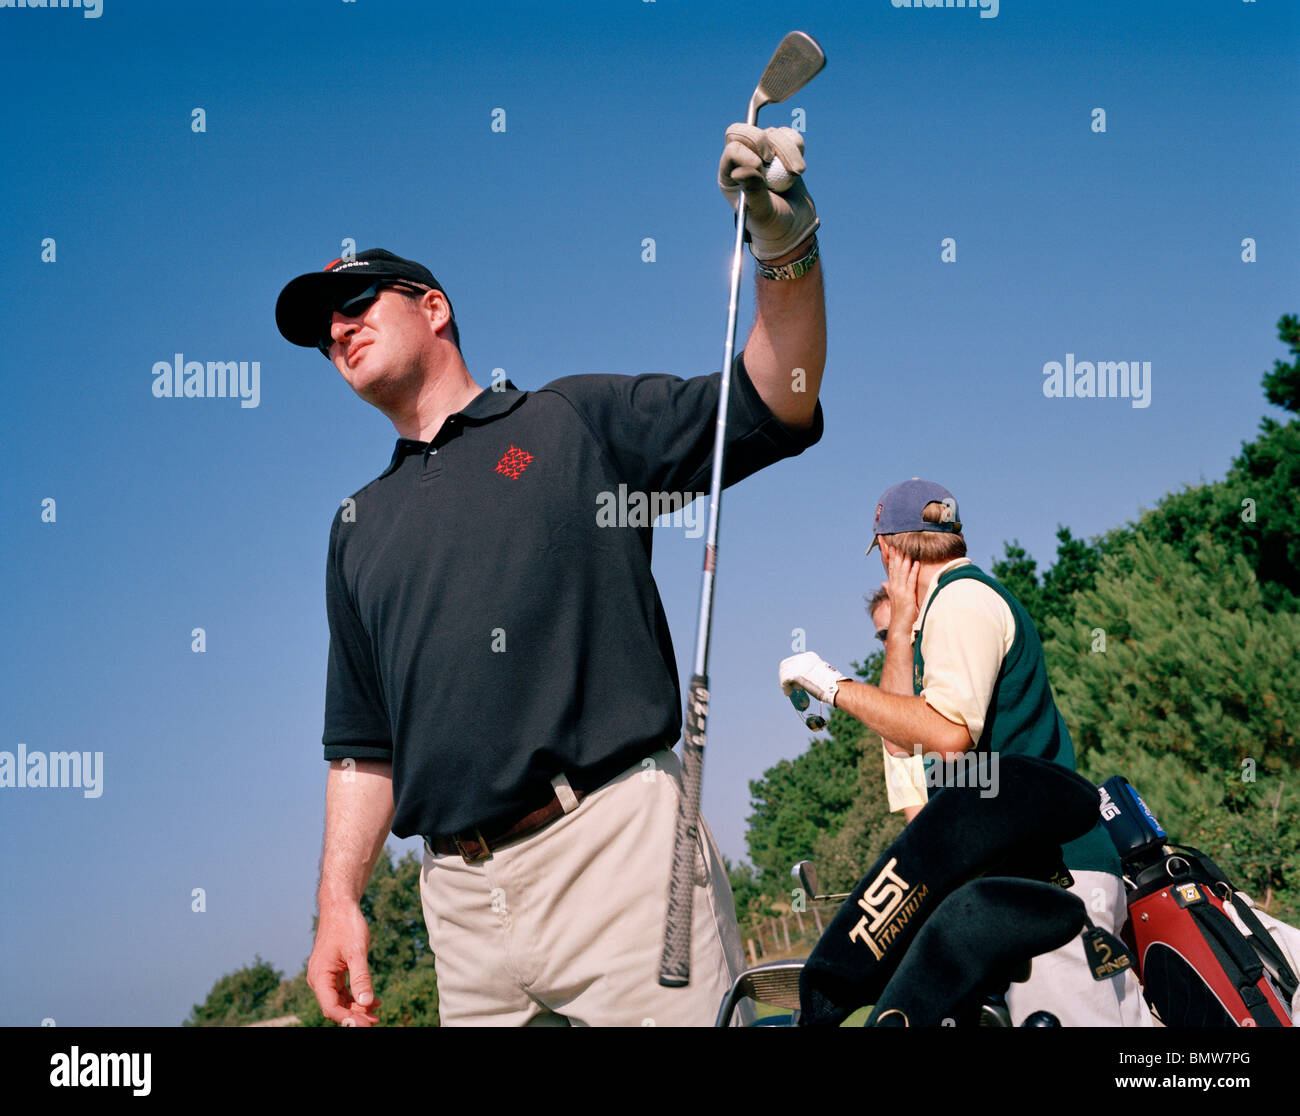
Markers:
796,62
775,983
806,873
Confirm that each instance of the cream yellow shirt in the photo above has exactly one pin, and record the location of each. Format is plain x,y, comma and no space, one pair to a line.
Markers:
968,633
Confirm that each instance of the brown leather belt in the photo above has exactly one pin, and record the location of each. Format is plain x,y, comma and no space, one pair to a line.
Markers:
476,844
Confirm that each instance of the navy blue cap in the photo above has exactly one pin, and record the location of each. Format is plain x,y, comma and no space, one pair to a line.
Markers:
901,507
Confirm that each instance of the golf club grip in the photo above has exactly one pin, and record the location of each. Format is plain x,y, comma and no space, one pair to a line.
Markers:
675,968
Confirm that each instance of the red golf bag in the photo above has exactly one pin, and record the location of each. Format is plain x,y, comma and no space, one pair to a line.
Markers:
1204,958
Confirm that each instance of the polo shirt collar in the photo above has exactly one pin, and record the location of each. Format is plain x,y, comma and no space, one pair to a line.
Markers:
934,584
485,406
489,404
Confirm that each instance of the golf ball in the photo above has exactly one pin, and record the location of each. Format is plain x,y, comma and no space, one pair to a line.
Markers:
778,178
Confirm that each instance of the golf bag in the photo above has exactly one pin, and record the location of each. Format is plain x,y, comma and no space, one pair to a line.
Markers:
1204,957
923,937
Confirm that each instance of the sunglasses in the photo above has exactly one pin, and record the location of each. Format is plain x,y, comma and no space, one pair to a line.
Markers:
801,699
880,635
355,305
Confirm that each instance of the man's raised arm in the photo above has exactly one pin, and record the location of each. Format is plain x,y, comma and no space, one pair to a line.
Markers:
786,350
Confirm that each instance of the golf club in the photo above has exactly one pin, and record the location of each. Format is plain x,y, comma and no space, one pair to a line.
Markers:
776,983
797,60
806,873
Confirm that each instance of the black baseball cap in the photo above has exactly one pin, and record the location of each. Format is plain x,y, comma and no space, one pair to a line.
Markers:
304,304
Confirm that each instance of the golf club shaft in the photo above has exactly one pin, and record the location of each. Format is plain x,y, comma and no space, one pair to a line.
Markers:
675,967
798,59
704,623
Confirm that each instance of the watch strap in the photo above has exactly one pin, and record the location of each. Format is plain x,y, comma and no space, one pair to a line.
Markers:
794,268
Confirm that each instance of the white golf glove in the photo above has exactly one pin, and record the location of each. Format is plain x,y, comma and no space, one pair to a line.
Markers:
807,672
779,219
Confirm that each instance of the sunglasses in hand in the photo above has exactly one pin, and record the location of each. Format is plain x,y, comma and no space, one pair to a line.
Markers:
801,699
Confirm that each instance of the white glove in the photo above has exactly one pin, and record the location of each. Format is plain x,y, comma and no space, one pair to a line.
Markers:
808,672
778,222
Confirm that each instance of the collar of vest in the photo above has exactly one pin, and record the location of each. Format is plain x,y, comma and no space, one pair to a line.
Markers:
955,564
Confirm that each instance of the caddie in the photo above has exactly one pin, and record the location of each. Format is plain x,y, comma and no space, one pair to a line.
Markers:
978,683
501,679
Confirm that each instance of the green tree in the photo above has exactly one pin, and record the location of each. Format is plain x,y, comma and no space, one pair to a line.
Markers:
794,802
1019,573
399,938
1282,385
844,854
298,999
1255,510
245,996
410,997
1075,569
746,891
1173,673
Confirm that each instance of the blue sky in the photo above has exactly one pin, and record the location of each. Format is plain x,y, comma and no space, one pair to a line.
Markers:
372,121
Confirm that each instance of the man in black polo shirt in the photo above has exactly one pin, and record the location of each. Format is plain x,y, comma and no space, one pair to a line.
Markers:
481,572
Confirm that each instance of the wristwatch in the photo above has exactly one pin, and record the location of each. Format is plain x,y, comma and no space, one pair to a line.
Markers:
793,269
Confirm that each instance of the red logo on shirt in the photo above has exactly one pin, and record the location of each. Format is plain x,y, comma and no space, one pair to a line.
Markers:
513,462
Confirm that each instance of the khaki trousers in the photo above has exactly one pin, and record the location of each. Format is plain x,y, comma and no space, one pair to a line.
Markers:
566,927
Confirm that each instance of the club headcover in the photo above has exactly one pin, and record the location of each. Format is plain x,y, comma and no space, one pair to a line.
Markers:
1044,863
977,938
959,835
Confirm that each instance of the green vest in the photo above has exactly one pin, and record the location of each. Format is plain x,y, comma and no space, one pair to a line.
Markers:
1022,717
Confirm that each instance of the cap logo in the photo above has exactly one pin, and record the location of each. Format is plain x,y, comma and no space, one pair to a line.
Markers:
879,509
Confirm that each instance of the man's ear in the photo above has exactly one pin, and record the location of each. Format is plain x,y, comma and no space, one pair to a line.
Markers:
430,303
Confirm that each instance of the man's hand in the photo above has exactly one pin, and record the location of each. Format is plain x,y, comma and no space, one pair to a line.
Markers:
808,672
777,222
901,586
342,945
358,816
